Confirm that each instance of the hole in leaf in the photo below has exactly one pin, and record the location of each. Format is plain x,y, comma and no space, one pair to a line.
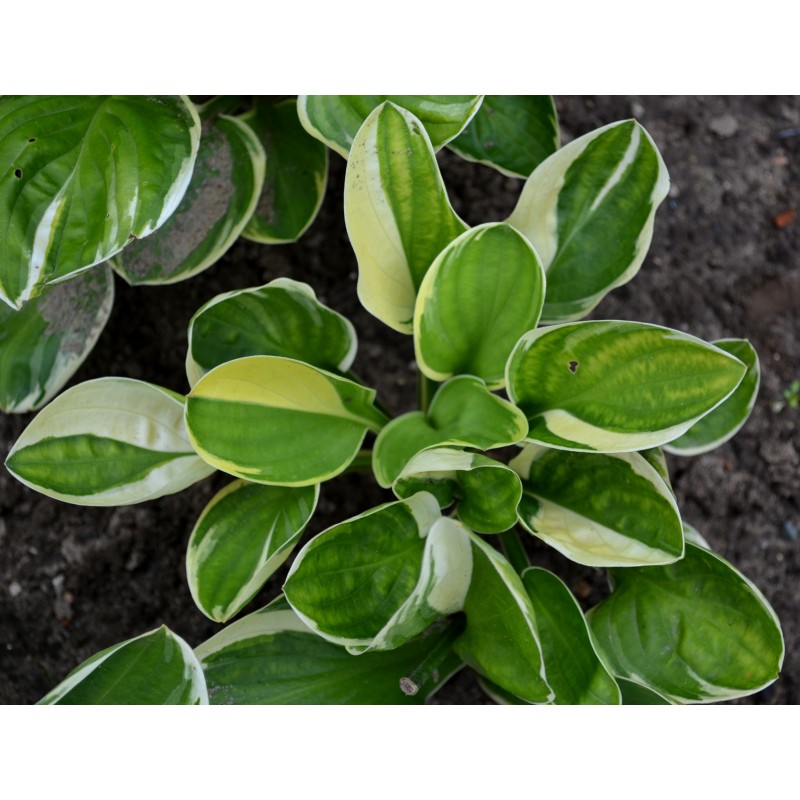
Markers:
32,139
573,366
17,173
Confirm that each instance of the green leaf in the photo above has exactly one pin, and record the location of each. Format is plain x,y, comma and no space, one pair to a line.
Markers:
574,669
695,631
724,421
157,668
335,119
634,694
271,657
297,173
82,177
278,421
599,509
43,344
108,442
616,386
378,579
397,213
220,199
463,413
513,134
483,291
588,210
501,641
283,318
243,535
487,491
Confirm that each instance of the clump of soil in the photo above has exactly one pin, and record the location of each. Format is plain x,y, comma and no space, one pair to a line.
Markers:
724,263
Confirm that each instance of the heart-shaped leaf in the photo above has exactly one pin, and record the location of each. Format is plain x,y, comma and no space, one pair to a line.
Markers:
397,213
243,535
588,210
108,442
283,318
278,421
220,199
84,177
483,291
616,386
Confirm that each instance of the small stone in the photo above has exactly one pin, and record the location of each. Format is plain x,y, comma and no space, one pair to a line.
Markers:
789,531
637,109
784,218
674,191
15,590
724,126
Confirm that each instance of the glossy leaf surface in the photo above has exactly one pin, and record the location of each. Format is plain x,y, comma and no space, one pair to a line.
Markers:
616,386
574,670
335,119
589,210
397,212
297,173
283,318
271,657
242,536
599,509
44,343
82,177
724,421
483,292
501,641
696,631
513,134
462,413
108,442
278,421
377,580
157,668
220,199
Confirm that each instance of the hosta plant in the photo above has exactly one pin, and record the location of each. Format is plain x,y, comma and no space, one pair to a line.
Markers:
531,422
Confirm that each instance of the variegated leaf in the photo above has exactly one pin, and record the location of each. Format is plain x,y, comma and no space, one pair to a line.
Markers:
501,641
487,492
397,213
635,694
696,631
588,210
108,442
724,421
44,343
84,176
512,133
463,413
574,669
156,668
615,386
378,579
599,509
482,292
297,173
278,421
335,119
271,657
243,535
220,199
283,318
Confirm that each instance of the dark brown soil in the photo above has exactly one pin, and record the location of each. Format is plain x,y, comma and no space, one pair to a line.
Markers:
74,580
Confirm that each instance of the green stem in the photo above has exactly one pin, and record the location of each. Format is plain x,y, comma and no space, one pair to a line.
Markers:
514,551
426,389
439,664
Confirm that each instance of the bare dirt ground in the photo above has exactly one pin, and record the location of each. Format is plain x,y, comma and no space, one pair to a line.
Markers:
725,262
